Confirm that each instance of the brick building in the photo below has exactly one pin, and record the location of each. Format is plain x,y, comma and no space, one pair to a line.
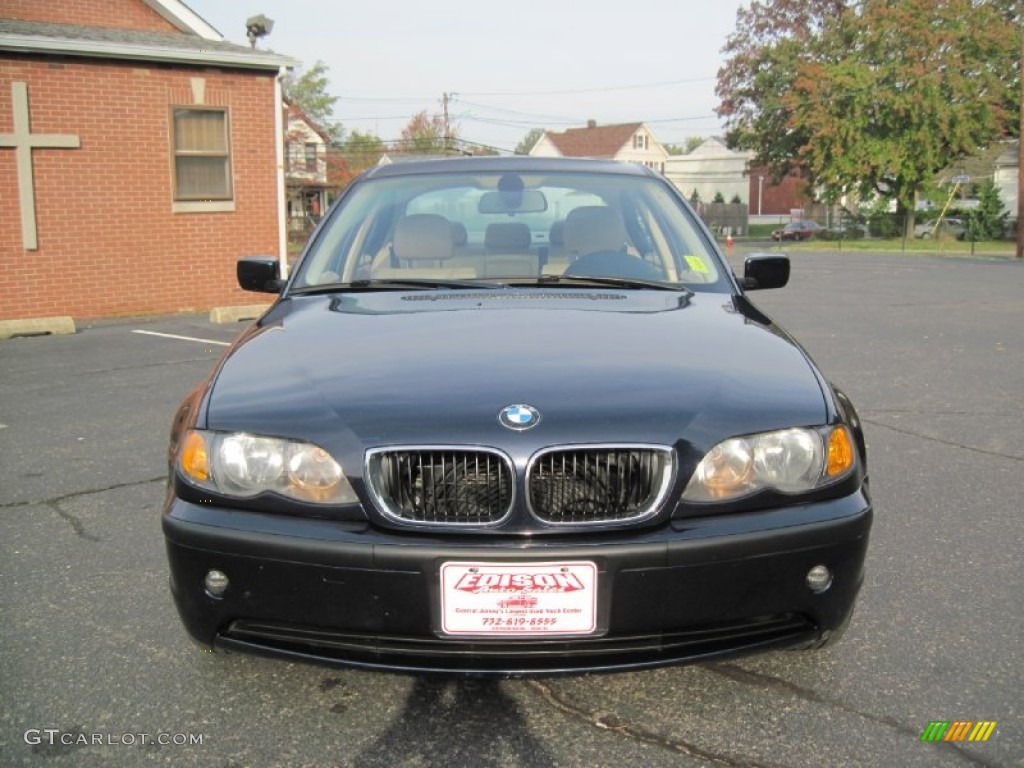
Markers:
770,199
140,156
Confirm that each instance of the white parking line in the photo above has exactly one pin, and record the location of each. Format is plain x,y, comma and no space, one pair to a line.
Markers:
185,338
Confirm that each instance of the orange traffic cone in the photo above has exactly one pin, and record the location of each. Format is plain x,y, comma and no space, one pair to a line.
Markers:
728,241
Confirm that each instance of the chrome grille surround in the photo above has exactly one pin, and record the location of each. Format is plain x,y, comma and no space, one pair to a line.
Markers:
464,486
598,484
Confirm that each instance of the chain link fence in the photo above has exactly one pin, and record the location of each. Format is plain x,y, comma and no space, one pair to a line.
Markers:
956,232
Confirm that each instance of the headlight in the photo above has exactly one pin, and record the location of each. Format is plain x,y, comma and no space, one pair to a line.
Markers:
790,461
242,465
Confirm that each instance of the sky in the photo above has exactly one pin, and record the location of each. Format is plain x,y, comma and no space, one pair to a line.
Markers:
509,67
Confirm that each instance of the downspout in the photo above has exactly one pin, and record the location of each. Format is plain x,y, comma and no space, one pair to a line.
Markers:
282,232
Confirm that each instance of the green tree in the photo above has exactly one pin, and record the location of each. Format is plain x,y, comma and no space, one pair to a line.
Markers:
988,220
310,93
871,96
690,144
362,150
718,198
425,134
532,137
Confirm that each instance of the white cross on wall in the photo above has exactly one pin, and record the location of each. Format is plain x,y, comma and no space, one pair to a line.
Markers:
24,141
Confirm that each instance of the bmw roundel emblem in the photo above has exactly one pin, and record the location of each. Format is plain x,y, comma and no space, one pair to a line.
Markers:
519,417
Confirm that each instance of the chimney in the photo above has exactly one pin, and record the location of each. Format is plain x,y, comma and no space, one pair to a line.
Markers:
591,123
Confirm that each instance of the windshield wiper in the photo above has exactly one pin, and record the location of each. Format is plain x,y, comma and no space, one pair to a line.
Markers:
621,282
391,284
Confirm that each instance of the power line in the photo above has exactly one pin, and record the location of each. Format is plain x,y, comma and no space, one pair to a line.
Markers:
603,89
542,117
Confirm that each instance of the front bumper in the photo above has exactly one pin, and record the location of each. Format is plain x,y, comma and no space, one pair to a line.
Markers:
348,594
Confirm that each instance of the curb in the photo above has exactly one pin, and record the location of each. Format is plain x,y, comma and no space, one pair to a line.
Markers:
37,326
224,315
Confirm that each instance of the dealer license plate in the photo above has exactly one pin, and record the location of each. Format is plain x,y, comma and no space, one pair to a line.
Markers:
505,599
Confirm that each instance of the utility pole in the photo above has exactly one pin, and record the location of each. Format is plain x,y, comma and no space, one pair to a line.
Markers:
1020,149
447,131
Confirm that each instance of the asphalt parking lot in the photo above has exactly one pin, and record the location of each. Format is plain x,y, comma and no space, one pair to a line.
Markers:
95,669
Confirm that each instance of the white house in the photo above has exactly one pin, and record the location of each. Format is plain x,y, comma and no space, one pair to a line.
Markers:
1006,176
710,169
306,181
625,142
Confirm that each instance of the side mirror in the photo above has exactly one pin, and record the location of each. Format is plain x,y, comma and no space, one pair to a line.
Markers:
260,274
765,270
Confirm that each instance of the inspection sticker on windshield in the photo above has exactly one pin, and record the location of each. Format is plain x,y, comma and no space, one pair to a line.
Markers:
697,264
503,599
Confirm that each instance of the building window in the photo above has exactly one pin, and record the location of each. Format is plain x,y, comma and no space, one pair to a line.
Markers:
202,154
311,157
640,141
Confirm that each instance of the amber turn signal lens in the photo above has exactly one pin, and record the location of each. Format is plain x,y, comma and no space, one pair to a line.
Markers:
840,452
194,461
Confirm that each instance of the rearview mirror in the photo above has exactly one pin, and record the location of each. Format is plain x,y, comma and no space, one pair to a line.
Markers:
765,270
513,201
260,274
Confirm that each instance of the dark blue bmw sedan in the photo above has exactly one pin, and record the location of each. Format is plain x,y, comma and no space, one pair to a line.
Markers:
515,416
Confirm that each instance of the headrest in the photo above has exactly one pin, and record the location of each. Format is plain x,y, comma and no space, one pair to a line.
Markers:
459,234
508,236
422,236
556,235
593,228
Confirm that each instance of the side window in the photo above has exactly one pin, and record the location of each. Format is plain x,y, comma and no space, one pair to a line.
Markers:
201,154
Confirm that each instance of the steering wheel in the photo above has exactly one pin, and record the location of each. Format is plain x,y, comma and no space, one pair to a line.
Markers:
613,264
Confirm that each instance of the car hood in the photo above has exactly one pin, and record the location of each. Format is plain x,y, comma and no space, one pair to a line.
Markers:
358,371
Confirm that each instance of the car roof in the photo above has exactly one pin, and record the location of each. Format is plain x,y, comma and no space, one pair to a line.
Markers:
517,164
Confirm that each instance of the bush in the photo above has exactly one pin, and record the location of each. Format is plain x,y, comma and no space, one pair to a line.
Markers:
884,226
850,233
988,221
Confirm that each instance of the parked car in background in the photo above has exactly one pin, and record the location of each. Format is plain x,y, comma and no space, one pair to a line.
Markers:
797,230
950,228
512,416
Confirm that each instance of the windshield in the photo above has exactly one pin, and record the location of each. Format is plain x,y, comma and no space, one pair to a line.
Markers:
511,228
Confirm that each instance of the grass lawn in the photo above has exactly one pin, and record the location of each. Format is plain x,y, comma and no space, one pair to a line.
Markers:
911,245
762,230
891,245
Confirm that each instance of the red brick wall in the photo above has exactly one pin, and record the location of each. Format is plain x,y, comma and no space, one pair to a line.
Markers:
122,14
777,199
109,243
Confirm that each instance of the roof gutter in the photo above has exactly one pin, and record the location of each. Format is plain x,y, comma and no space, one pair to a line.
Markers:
184,18
63,46
282,222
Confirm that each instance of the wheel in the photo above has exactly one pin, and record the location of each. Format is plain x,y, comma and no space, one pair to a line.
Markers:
926,236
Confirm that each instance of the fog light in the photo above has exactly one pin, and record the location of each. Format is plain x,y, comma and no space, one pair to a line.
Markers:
216,583
819,578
